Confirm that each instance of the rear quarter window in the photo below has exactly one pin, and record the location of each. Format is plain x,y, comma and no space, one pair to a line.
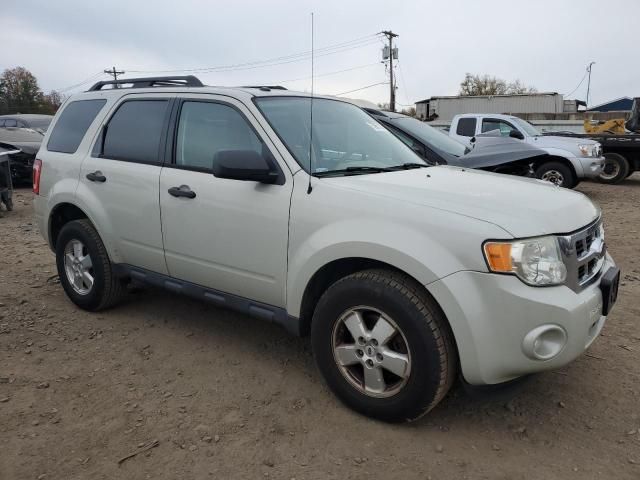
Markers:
466,127
73,123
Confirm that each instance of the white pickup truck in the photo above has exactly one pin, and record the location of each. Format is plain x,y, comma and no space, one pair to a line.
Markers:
570,160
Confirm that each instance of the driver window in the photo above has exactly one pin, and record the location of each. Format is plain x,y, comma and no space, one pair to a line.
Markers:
489,125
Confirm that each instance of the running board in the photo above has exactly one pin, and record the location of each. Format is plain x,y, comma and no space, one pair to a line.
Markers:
255,309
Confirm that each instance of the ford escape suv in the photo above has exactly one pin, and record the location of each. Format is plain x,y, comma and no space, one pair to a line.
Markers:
404,275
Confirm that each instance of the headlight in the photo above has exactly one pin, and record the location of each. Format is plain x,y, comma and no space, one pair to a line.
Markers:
590,150
535,261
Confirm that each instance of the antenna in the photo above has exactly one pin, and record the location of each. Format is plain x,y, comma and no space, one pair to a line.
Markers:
309,188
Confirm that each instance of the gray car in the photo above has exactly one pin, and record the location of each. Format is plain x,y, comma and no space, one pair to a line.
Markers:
24,132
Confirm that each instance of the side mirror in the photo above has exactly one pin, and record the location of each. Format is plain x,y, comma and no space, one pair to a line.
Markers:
516,134
247,165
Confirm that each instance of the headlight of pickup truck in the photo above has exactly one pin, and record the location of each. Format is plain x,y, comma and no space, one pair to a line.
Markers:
590,150
535,261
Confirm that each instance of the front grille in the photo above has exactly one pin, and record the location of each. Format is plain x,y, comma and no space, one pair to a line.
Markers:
583,253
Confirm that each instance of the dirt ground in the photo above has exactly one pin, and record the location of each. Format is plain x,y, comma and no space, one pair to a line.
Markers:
199,392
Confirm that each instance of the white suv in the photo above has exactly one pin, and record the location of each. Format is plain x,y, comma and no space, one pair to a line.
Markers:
403,274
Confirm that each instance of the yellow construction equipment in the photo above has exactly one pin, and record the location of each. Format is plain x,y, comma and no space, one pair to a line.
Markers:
615,126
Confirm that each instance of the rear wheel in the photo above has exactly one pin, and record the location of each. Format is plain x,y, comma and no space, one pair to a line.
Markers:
557,173
84,268
616,168
383,345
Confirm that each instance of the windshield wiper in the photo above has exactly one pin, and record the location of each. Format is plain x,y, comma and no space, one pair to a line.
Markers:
352,171
409,166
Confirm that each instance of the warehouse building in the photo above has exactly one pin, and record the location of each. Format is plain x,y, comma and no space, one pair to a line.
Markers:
445,108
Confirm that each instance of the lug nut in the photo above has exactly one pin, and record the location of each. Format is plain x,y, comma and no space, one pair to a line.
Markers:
379,357
374,342
361,340
359,353
370,363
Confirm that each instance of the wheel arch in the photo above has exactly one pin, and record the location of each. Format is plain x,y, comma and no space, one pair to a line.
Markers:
60,215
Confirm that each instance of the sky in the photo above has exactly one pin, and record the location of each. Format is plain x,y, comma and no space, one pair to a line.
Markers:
545,44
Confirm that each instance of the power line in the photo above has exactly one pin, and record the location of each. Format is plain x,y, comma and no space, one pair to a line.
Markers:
327,74
361,88
575,89
71,87
296,57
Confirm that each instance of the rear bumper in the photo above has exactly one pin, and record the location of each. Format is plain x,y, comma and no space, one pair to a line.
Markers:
493,317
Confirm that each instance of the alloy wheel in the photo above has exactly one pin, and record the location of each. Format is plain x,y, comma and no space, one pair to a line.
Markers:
371,352
78,267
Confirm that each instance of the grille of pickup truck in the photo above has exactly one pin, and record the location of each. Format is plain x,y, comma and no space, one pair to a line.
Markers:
583,254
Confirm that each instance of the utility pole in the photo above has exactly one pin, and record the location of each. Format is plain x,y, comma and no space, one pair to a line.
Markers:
589,82
115,74
392,53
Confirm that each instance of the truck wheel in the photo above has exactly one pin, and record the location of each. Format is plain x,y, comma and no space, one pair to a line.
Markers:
557,173
383,345
84,268
616,168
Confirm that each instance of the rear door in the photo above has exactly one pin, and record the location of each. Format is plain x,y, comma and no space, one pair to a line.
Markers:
119,179
232,236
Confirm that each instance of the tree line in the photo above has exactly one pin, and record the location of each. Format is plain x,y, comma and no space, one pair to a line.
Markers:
20,93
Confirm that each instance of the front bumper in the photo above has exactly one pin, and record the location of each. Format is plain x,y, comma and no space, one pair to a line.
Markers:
492,315
591,166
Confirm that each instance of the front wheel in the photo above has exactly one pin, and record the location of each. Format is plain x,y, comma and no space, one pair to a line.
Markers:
383,345
557,173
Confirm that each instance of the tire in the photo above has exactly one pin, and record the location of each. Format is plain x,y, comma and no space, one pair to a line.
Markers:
557,173
422,335
106,288
616,168
631,172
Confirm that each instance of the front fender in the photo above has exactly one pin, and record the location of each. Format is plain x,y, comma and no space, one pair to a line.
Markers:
570,157
414,251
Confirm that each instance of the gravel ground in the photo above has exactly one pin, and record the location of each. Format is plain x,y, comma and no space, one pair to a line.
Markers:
197,392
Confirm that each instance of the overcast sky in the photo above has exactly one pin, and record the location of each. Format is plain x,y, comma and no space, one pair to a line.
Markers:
545,44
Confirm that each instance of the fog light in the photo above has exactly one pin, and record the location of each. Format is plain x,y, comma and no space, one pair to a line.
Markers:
544,342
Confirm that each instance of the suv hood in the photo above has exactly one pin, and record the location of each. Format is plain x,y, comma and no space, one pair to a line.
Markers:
523,207
564,143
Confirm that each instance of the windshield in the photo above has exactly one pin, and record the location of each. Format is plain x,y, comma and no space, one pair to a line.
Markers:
527,127
344,136
432,137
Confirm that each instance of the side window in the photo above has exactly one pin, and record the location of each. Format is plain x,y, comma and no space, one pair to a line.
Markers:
135,130
2,123
10,122
206,128
73,124
466,127
490,124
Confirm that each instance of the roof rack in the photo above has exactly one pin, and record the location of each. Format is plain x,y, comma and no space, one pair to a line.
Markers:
265,88
180,81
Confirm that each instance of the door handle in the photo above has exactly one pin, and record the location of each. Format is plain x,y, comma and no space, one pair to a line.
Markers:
182,191
96,176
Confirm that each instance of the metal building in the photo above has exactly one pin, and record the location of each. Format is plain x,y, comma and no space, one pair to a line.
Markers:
445,108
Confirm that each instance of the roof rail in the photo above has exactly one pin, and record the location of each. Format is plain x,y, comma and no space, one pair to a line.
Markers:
264,88
179,81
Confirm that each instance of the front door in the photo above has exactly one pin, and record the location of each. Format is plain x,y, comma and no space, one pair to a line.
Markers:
228,235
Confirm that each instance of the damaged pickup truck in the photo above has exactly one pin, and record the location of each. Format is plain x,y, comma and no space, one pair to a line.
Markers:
24,133
486,153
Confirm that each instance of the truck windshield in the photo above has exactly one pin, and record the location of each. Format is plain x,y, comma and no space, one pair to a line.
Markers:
345,138
432,137
527,127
